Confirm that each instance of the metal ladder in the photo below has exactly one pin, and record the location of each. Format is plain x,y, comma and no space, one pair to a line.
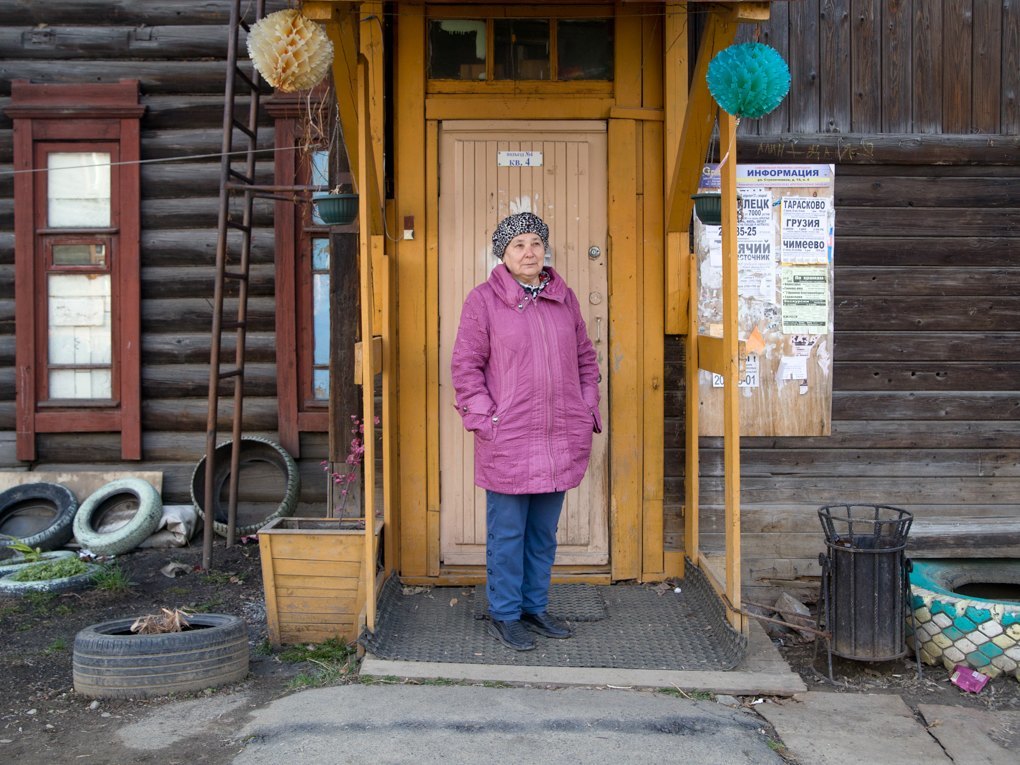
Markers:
232,261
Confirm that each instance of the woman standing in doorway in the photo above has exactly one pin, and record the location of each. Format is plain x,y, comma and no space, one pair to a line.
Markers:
526,380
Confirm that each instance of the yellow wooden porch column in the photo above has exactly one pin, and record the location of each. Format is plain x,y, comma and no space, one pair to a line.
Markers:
356,33
714,354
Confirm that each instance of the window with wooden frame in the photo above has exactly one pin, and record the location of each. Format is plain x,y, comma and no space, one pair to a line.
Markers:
554,49
76,241
303,250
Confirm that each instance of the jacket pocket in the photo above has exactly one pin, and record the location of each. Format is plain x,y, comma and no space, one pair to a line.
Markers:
482,425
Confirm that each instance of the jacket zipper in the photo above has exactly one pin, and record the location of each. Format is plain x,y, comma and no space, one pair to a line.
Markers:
540,315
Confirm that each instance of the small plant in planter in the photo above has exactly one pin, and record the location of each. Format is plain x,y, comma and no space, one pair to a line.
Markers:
339,207
56,569
25,552
48,574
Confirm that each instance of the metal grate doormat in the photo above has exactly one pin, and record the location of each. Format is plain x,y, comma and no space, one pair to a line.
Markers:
644,628
573,602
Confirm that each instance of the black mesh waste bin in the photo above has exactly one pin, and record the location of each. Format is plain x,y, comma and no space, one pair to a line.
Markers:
865,580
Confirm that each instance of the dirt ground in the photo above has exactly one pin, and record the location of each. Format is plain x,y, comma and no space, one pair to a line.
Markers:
42,720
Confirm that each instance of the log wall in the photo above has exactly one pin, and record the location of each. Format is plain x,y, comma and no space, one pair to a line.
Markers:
895,66
177,51
916,103
926,374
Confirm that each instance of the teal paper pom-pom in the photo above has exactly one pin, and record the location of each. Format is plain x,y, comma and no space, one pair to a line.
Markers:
748,80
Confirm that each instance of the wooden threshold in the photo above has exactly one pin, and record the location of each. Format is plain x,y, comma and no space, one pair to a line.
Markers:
462,576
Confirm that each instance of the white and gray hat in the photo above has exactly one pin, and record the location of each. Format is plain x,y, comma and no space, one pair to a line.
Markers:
515,225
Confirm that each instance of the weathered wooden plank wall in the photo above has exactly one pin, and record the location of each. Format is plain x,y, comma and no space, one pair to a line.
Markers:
895,66
926,380
177,51
926,392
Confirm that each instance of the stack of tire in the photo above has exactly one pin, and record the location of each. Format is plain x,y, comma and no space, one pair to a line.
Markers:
111,661
45,516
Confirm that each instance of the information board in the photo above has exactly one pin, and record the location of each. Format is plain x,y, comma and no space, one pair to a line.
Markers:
785,223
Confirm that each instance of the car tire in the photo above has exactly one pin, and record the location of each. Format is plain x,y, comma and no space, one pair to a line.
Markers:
39,514
118,495
253,449
18,562
111,662
10,586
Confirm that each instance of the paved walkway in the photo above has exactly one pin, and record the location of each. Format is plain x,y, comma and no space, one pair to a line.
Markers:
879,729
453,724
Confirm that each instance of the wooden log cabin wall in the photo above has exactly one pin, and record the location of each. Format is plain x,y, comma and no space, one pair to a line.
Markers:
177,52
916,103
918,106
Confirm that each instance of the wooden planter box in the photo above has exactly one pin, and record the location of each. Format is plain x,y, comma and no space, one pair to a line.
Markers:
313,570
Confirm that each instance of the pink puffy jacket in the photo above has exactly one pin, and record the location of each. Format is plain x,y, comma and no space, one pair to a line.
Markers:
526,382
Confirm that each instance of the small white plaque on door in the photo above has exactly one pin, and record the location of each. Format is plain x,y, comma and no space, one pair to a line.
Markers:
519,159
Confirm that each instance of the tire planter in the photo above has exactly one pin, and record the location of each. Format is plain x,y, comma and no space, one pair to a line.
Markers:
18,562
10,586
254,449
955,629
123,496
39,514
111,662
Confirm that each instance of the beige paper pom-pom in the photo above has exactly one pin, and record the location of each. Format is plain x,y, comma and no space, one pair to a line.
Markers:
289,51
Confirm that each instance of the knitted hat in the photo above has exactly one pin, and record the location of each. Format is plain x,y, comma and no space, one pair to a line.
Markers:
515,225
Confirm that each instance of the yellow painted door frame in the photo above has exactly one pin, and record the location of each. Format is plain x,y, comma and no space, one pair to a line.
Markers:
636,193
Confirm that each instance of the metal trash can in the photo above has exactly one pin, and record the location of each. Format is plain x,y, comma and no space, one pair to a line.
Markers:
865,581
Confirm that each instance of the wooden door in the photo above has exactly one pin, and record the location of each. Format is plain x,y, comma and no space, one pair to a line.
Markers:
489,170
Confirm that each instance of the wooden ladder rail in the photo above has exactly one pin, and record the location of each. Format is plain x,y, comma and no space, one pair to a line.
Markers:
243,184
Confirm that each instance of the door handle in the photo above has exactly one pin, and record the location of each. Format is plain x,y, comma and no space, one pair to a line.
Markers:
598,330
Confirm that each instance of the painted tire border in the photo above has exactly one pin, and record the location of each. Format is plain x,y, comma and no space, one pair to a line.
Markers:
953,629
127,537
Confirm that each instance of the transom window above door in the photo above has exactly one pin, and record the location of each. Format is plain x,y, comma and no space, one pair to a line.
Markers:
538,49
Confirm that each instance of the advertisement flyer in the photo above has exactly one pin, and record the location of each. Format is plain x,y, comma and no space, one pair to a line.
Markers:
805,306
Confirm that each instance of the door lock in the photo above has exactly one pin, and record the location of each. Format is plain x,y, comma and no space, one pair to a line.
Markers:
594,252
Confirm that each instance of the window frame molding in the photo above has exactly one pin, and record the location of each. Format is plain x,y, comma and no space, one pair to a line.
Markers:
85,115
293,231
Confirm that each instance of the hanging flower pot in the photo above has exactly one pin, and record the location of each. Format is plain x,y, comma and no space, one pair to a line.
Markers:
708,206
337,209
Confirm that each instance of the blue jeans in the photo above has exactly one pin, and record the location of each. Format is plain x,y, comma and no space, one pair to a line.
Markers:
519,551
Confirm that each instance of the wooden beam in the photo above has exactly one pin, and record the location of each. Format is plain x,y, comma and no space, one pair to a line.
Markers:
636,113
676,63
416,307
430,329
731,359
625,352
342,29
367,242
501,107
712,354
720,32
372,49
653,373
374,357
752,13
692,475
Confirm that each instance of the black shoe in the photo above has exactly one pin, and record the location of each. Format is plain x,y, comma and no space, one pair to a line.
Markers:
511,634
547,625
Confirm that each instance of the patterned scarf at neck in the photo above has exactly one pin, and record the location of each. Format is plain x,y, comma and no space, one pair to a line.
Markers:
534,289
